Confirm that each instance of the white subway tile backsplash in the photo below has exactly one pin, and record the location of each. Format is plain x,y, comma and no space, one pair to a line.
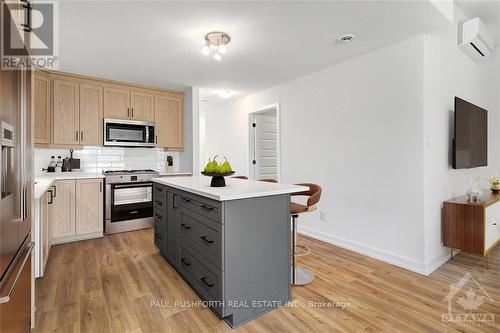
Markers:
97,159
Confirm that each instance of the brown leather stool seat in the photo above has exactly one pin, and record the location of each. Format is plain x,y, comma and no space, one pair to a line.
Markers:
296,208
240,177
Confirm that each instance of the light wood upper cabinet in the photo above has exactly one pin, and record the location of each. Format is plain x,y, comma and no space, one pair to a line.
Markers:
116,102
89,206
69,110
141,104
63,209
91,114
42,109
66,118
169,119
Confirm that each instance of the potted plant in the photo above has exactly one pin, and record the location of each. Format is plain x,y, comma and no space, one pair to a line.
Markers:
494,183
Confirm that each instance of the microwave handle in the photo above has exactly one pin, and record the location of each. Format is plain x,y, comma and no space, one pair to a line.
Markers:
147,133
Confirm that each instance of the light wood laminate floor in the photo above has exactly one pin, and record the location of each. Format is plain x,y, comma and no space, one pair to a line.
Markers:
121,283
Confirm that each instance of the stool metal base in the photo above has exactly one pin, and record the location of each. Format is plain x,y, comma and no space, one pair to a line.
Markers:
303,276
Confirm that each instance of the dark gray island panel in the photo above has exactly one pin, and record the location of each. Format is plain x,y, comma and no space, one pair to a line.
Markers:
257,256
234,254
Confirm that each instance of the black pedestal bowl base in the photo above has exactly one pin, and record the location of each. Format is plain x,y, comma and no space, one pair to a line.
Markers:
217,181
218,178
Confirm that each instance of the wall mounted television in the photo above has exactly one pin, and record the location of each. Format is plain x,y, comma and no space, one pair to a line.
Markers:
470,145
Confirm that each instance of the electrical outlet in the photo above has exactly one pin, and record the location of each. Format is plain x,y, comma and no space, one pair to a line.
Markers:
322,215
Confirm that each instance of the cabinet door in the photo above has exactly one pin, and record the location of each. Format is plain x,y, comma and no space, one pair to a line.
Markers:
66,122
116,102
169,119
42,109
91,114
63,209
141,104
44,229
173,216
89,206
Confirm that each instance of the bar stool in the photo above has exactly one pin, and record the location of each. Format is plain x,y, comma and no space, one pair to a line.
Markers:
302,275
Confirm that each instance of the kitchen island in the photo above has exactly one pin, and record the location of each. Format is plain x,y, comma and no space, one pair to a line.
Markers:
230,244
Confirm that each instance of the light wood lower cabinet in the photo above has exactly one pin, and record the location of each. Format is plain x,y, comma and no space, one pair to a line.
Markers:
77,211
63,209
45,228
89,206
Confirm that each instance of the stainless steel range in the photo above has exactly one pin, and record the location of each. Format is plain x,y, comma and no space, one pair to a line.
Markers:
129,200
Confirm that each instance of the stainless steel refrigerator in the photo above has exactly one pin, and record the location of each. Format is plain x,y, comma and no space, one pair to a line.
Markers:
16,182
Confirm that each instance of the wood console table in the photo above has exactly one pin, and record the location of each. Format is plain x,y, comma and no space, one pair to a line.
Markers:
472,227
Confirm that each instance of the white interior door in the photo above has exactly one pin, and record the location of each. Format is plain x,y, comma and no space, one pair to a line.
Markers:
265,161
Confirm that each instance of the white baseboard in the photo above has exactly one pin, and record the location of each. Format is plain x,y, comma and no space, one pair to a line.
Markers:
77,238
432,265
388,257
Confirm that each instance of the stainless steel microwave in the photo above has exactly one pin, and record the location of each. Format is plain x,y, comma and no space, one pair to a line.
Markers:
128,133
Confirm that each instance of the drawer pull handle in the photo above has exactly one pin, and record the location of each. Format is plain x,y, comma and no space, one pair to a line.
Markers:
206,240
158,216
204,280
185,262
186,199
207,207
159,202
494,223
159,189
185,226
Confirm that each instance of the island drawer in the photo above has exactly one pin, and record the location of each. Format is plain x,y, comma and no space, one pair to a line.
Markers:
204,278
203,234
203,206
159,201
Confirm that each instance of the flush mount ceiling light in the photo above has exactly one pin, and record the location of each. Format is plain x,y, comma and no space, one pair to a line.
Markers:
224,93
346,39
217,40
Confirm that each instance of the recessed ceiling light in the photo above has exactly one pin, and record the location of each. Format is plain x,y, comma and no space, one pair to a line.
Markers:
224,93
346,39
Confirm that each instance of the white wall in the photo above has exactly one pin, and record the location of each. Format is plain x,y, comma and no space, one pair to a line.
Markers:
448,72
356,129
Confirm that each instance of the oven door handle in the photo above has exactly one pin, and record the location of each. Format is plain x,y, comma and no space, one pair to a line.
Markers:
115,186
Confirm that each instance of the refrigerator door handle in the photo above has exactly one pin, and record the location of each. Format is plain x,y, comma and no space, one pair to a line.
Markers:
6,298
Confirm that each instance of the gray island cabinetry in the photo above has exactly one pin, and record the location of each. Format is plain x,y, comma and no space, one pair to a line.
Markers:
231,244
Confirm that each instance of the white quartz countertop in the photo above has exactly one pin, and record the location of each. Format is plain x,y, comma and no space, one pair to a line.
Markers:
43,183
175,174
235,188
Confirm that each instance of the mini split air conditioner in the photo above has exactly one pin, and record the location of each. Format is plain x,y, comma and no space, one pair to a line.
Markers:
475,40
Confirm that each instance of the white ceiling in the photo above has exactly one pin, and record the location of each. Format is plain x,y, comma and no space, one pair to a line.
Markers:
159,43
488,11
